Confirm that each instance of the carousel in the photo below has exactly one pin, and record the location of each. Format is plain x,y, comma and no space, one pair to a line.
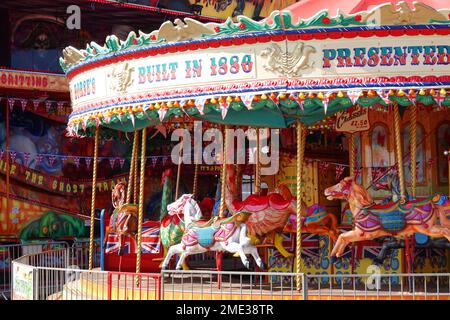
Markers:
379,79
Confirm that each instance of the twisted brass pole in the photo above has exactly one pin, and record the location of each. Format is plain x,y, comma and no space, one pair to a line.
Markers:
194,187
223,174
257,165
141,202
301,138
413,143
132,166
398,152
352,155
177,188
94,189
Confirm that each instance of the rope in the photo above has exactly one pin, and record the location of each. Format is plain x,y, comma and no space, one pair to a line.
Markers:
141,203
94,189
301,138
398,152
130,177
413,143
223,175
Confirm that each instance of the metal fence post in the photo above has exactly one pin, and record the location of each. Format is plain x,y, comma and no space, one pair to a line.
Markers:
305,286
162,285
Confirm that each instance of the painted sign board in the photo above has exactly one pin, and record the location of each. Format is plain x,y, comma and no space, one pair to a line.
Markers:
14,79
257,67
22,282
353,120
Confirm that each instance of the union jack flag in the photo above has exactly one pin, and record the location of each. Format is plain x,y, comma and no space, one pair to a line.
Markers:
150,239
112,246
310,245
339,171
367,249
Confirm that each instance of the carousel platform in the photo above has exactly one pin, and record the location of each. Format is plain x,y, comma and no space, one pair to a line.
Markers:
101,287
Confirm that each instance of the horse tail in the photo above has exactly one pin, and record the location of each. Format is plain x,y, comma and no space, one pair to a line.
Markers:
334,232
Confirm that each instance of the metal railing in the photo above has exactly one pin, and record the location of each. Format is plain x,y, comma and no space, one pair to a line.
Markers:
9,252
228,285
56,275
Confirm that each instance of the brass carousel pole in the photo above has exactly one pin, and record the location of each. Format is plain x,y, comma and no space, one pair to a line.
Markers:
352,155
223,174
194,187
257,165
141,202
398,152
401,176
94,189
178,173
132,166
301,138
413,143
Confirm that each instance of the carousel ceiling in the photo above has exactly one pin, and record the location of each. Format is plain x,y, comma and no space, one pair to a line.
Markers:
265,74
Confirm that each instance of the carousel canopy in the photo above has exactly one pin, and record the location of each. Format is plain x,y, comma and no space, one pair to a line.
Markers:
264,74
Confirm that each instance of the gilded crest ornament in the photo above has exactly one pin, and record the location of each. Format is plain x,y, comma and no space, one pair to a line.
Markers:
121,78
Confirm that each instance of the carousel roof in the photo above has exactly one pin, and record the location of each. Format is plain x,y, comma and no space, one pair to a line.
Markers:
265,74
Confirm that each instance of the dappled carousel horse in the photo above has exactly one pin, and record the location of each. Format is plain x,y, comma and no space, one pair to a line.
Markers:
393,219
124,220
228,234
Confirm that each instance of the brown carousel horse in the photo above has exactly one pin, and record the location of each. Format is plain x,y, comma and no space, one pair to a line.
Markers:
124,220
392,219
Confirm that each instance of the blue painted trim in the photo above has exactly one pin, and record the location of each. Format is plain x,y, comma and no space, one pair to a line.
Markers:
102,244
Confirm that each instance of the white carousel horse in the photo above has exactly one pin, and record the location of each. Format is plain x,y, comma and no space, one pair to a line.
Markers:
229,234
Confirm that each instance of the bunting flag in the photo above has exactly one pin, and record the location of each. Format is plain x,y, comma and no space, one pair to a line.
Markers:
223,108
48,105
247,99
439,98
200,104
357,171
39,158
35,104
323,166
121,162
76,160
26,158
51,160
23,104
88,162
162,113
12,156
11,102
164,160
60,106
112,162
353,95
154,160
339,171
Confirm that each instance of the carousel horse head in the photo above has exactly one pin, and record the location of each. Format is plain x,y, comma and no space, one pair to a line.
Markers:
118,194
186,206
348,189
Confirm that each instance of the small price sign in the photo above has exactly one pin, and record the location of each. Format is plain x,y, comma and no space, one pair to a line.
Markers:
353,120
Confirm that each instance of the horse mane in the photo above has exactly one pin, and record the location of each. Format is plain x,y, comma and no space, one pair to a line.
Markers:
361,194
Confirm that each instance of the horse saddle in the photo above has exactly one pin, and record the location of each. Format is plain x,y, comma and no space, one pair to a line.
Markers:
206,237
255,203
